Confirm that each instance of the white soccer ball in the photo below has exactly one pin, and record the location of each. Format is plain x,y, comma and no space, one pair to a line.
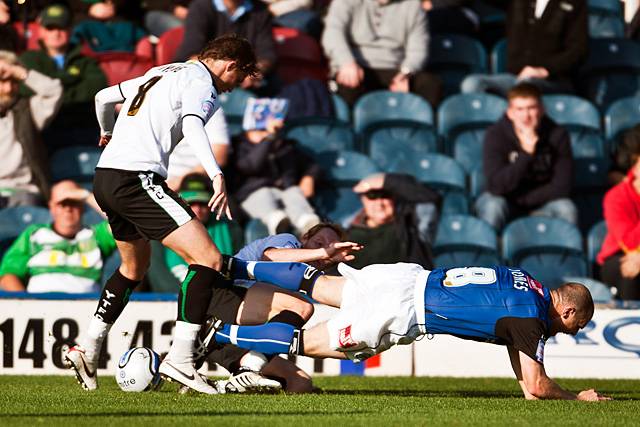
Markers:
138,370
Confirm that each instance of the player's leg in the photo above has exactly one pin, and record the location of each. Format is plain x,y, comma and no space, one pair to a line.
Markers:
293,276
295,379
83,358
263,303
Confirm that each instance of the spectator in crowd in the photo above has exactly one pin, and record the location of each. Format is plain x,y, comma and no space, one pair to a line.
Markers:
24,177
80,75
250,19
527,163
619,256
9,39
546,41
64,256
379,44
397,221
626,154
296,14
273,179
451,16
105,30
183,160
164,15
196,190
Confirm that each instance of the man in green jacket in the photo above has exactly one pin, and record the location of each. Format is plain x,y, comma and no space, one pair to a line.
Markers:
80,75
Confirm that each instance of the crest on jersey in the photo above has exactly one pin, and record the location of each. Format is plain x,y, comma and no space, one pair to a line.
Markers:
344,339
535,285
208,108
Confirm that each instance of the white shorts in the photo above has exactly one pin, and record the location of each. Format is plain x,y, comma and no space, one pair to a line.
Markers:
378,309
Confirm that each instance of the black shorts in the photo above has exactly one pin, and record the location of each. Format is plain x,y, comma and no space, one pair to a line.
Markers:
139,204
225,303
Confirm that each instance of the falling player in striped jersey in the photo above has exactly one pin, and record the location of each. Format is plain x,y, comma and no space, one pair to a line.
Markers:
167,104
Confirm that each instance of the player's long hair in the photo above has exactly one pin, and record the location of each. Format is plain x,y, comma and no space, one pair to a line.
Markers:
232,47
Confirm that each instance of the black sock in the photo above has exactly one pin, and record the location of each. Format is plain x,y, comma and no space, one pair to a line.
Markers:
114,297
297,344
195,293
290,317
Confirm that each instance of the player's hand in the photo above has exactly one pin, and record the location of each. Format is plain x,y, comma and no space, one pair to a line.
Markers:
350,75
342,251
219,203
592,396
104,140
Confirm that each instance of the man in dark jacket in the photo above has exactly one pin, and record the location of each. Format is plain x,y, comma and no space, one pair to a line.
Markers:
527,163
396,222
546,41
208,19
80,75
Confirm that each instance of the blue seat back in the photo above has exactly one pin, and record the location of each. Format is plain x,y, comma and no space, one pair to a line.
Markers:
316,137
468,111
437,170
571,111
77,163
621,115
254,230
476,183
453,57
456,231
595,238
554,269
233,103
605,19
387,106
345,167
392,144
499,57
539,234
14,220
588,144
341,108
467,149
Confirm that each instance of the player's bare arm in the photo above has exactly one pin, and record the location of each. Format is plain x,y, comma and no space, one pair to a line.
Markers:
514,357
334,253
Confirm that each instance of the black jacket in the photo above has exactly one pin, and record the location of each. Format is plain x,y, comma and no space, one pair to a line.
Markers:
528,181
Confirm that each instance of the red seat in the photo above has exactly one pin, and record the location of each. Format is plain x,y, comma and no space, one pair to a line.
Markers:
168,45
145,49
121,66
30,39
299,55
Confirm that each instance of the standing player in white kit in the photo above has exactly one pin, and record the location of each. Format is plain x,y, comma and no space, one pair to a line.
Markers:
159,109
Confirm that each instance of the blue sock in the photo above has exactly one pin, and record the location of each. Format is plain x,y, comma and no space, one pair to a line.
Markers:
293,276
270,338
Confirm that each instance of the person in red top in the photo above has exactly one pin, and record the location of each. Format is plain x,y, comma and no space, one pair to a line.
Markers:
620,252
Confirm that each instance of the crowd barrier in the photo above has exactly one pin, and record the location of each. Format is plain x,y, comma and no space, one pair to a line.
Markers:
34,329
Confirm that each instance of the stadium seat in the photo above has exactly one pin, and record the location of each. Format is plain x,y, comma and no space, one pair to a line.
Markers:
439,171
145,48
317,137
389,107
91,216
611,71
299,56
29,36
550,249
254,230
335,198
606,19
621,116
168,45
467,149
110,266
455,203
233,104
463,240
14,220
464,112
589,187
121,66
476,183
581,119
499,57
390,144
76,163
341,108
453,57
595,237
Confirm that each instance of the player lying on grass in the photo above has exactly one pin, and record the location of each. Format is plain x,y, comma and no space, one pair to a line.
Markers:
323,246
387,304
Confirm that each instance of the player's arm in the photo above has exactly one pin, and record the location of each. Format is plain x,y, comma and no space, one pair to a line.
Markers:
336,252
538,384
514,357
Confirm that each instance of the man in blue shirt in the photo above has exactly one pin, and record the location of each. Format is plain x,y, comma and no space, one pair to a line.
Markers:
387,304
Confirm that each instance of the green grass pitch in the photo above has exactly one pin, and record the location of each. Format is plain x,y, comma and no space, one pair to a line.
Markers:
344,401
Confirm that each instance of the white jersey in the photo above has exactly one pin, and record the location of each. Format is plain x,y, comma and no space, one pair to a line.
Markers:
150,122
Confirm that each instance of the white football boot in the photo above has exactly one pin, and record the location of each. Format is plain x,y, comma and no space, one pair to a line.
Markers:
246,380
76,359
186,374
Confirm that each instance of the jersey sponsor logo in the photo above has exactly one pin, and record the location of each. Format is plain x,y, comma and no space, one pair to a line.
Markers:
345,340
535,285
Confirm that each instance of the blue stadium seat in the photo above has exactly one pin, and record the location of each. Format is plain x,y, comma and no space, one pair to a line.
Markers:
439,171
549,249
389,107
233,104
341,108
76,163
476,183
595,237
14,220
464,112
254,230
621,116
453,57
589,187
499,57
611,71
606,19
390,144
463,240
314,137
467,149
335,198
160,277
455,202
110,266
91,216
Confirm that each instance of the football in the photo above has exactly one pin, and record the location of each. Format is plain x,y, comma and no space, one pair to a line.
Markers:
138,370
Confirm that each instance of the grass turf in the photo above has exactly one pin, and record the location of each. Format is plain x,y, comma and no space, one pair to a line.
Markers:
53,401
